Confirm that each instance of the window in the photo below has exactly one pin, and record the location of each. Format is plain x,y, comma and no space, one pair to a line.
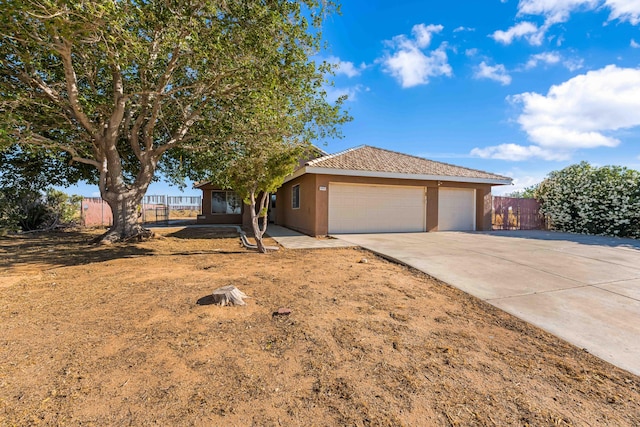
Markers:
295,196
225,202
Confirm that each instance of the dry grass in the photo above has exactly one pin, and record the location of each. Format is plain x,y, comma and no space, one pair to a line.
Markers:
97,335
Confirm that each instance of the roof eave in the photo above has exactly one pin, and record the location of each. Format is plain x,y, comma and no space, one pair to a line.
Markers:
397,175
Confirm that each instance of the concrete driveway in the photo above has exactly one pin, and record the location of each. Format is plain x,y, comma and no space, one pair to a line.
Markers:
584,289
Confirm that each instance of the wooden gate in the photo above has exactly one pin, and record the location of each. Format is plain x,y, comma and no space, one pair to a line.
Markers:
510,213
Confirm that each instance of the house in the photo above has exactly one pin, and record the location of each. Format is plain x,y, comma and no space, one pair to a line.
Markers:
371,190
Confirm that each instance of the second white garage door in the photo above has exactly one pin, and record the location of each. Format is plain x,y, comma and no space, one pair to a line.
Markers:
357,208
456,209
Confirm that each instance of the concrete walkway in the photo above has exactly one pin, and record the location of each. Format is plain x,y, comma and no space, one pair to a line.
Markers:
293,240
584,289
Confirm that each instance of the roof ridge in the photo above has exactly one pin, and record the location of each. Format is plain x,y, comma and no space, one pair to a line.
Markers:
331,156
434,161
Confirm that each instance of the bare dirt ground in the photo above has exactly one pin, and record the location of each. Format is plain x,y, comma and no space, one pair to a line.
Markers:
114,336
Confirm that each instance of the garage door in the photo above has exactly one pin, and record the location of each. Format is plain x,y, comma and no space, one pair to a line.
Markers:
456,209
376,208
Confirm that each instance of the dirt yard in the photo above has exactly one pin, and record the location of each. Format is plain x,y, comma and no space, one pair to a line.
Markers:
114,336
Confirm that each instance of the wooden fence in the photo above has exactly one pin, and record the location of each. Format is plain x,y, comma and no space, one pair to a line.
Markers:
510,213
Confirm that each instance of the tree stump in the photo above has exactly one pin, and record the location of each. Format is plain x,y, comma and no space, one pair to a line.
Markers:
228,295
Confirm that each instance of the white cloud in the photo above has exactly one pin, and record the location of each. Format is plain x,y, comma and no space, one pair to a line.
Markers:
573,64
410,64
624,10
493,72
457,30
580,112
545,57
516,153
553,58
554,11
634,44
521,181
558,11
527,30
423,34
471,52
345,67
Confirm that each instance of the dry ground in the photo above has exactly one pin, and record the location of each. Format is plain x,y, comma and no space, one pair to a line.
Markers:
111,336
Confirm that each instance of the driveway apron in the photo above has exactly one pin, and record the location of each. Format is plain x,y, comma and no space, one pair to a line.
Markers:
584,289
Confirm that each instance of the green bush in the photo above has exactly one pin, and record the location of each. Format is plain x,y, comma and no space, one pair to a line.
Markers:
592,200
27,209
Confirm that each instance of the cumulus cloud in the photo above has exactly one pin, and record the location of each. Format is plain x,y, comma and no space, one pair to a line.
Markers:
457,30
581,113
634,44
497,73
527,30
410,62
345,67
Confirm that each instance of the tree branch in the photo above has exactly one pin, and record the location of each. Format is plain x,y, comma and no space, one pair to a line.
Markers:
64,49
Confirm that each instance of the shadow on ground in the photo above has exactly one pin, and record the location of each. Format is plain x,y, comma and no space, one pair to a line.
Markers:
62,249
583,239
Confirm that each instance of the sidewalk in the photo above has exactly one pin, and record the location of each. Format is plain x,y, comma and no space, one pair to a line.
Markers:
290,239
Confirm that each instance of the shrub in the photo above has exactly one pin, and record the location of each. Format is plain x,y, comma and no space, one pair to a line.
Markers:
592,200
27,209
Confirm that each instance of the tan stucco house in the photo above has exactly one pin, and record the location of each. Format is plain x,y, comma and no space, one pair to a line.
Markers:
369,190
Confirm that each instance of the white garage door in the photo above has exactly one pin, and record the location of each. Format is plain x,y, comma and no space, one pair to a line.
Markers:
376,208
456,209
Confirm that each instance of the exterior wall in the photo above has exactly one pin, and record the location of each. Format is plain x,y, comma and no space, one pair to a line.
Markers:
484,205
207,217
313,216
305,218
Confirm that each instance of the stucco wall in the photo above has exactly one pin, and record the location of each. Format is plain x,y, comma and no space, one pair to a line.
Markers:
313,216
304,218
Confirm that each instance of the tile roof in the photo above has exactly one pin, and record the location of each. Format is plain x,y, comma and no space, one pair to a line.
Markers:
372,159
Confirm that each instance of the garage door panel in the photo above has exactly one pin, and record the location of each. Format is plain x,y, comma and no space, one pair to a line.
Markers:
456,209
375,208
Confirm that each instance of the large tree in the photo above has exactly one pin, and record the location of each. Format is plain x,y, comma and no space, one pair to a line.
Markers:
131,86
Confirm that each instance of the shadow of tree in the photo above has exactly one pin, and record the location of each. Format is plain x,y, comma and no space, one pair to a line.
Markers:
204,233
62,249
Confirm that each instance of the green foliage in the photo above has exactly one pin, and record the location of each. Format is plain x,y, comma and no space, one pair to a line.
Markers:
27,209
527,193
593,200
130,86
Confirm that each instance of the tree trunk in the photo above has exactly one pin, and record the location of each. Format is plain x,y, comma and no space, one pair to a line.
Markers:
257,212
125,211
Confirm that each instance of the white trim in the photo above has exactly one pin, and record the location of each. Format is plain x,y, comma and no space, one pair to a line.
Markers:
395,175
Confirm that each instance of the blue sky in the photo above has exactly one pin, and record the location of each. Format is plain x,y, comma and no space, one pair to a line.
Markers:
518,88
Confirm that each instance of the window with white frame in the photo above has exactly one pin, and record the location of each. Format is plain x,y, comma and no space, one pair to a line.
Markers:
295,196
225,202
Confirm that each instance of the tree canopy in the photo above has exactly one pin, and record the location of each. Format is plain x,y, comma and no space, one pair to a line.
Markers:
132,86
